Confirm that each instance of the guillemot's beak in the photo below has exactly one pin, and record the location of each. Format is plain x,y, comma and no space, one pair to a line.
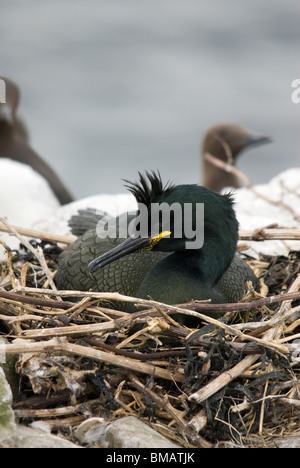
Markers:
258,140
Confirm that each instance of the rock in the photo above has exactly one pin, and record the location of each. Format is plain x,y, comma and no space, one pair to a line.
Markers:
128,432
287,442
26,437
8,364
7,420
14,435
91,430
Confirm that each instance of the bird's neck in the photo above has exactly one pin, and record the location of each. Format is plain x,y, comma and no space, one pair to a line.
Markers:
207,264
10,137
216,178
181,277
7,134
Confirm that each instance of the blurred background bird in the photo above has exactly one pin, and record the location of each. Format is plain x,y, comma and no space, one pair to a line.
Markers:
14,143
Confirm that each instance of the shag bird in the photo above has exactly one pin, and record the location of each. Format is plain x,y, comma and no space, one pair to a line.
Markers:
218,141
161,265
14,142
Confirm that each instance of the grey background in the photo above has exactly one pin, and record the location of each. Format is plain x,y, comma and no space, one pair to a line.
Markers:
111,87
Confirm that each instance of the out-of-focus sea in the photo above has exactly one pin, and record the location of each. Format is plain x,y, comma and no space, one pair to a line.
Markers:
111,87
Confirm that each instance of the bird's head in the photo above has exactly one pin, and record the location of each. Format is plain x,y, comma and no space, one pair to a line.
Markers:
177,218
231,138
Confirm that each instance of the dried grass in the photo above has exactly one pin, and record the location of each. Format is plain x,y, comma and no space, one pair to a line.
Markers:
233,380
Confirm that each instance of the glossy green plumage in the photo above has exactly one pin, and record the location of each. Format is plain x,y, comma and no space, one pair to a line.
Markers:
124,276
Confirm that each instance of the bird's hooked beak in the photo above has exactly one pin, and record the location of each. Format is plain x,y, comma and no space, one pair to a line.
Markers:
6,114
130,245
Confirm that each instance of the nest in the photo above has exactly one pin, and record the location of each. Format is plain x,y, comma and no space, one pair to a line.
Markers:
232,381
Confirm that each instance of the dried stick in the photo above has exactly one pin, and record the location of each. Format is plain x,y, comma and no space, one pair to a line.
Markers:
109,358
188,309
289,401
232,330
173,412
155,356
48,412
199,421
38,234
22,299
226,377
268,234
223,379
72,330
38,253
227,167
21,318
278,319
206,307
262,410
9,263
162,402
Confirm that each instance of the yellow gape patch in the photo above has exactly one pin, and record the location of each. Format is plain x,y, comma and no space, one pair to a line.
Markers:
155,240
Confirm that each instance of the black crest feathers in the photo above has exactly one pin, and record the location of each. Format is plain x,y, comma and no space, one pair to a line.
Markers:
149,188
